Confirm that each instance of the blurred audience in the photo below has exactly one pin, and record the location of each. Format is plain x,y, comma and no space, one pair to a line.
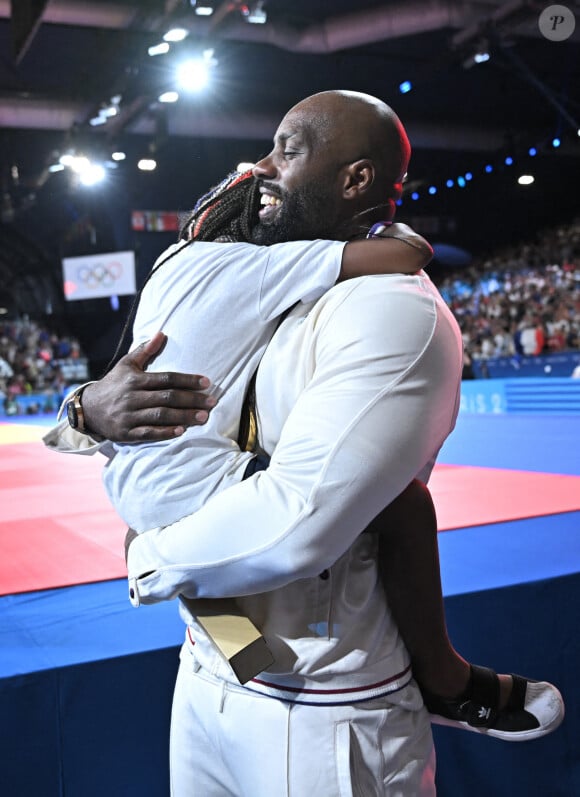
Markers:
522,300
36,362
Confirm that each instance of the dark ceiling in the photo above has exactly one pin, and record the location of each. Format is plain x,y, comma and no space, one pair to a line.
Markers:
64,60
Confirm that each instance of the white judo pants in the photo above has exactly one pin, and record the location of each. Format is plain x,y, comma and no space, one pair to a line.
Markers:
229,742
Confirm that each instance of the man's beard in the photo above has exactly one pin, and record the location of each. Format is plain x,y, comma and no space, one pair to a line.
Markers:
308,213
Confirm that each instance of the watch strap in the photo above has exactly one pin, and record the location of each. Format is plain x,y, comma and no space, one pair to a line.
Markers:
76,415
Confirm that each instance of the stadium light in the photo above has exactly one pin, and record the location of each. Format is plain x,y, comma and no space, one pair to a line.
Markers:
193,75
257,14
176,35
92,174
168,96
159,49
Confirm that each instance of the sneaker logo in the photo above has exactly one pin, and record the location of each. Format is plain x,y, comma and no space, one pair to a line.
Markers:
483,713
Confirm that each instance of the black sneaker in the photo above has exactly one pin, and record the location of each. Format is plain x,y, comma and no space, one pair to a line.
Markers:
534,708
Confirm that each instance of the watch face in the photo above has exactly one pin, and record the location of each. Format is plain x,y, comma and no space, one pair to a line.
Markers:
72,414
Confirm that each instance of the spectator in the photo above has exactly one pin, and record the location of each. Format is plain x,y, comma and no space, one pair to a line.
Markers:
30,364
523,299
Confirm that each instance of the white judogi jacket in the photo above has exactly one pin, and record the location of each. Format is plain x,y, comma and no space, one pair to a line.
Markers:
356,394
242,290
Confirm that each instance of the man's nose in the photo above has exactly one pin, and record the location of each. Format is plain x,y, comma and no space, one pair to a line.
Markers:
265,168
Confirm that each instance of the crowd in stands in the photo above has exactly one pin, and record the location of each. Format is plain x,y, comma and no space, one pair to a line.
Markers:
36,367
523,300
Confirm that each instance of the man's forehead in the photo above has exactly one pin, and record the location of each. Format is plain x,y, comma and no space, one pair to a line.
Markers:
295,121
304,123
293,130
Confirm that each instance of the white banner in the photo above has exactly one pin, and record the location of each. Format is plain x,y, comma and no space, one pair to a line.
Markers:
94,276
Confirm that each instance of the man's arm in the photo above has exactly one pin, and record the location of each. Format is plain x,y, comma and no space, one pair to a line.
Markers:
381,401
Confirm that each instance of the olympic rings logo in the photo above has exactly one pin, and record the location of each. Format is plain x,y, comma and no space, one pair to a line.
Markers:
100,274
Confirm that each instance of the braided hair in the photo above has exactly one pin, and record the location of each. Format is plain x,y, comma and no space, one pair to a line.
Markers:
228,212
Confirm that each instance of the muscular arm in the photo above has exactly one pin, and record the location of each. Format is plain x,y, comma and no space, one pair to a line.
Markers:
397,249
133,405
380,402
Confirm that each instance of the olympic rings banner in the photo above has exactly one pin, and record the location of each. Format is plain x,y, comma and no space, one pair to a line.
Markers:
95,276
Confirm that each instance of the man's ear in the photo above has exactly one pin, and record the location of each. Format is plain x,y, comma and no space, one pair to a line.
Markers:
359,177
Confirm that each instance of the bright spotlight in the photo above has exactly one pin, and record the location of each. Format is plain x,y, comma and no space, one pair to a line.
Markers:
525,179
118,156
176,35
168,96
56,167
461,182
556,142
449,183
405,87
92,174
159,49
80,164
193,75
489,168
509,160
432,190
147,165
204,11
532,151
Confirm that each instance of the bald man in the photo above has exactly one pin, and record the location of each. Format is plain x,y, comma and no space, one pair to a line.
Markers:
355,396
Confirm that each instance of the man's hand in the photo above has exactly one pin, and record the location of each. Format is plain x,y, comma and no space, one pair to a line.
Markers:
131,405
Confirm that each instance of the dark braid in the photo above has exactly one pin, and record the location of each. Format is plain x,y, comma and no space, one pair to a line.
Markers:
228,212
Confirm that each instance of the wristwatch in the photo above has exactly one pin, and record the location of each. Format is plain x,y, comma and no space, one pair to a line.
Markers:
74,411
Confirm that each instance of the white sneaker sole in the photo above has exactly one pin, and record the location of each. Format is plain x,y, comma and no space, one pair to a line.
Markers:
543,701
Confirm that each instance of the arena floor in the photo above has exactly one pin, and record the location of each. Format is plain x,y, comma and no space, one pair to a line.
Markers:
507,492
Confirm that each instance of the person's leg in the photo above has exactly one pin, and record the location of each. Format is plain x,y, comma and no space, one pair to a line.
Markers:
195,762
409,567
507,706
379,748
228,741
